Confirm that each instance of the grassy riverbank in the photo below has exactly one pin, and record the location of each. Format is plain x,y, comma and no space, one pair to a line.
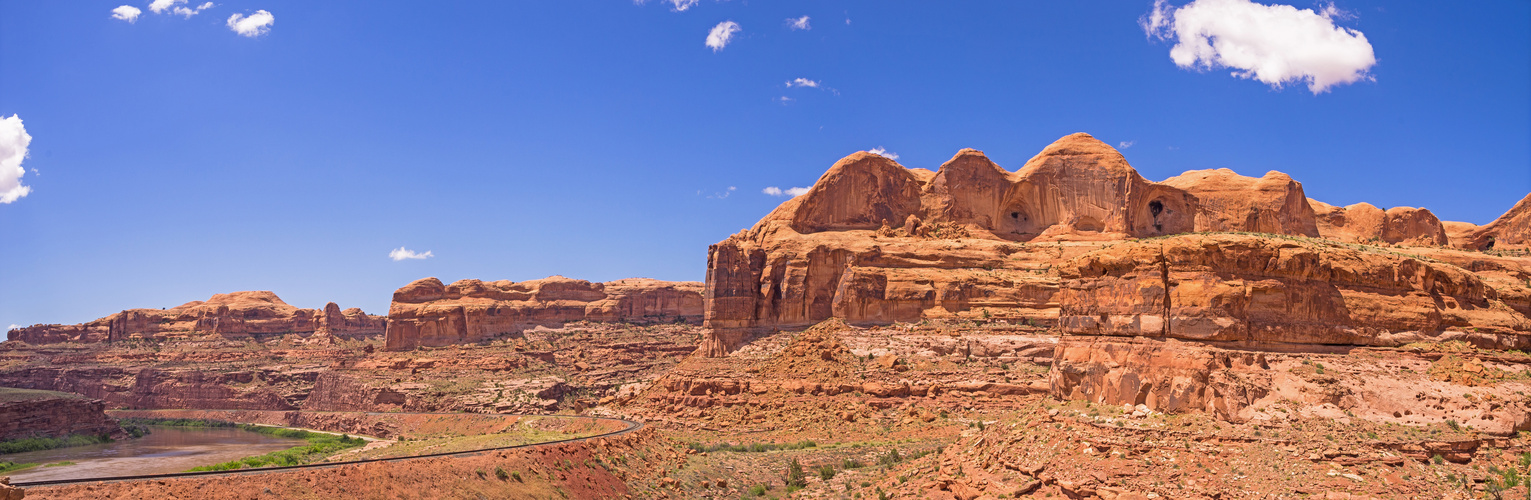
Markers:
319,445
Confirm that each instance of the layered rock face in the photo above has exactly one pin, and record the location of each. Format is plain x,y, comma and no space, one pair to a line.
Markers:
54,416
230,315
429,313
1364,223
1125,309
1237,288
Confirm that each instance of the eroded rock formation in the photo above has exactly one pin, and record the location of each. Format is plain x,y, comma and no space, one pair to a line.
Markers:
1511,230
429,313
1228,201
1364,223
231,315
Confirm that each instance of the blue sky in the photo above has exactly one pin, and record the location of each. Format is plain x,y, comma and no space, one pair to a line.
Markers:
173,157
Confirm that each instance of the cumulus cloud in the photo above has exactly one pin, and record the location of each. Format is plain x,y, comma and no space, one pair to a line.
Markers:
1275,44
160,6
402,253
803,82
784,100
800,23
776,191
12,327
127,13
1125,144
879,151
721,35
13,149
253,25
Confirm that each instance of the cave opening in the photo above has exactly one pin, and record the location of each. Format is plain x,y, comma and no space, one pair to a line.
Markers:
1155,208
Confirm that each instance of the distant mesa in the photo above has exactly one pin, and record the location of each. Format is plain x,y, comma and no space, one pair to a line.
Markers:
237,315
427,313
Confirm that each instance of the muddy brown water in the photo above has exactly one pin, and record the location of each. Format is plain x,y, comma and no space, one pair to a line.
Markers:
167,449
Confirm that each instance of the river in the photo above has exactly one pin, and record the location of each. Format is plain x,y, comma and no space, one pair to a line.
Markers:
167,449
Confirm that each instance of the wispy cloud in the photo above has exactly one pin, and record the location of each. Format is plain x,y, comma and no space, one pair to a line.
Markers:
722,34
12,327
1275,44
802,82
784,100
127,13
192,12
880,151
776,191
675,5
722,194
13,149
1125,144
800,23
402,253
253,25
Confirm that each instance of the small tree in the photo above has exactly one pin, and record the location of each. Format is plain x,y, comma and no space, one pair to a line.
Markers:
795,476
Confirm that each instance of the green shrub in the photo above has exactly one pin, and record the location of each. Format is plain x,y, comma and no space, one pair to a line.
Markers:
826,472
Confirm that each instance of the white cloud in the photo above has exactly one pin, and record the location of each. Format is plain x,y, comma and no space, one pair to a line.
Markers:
253,25
13,149
1275,44
784,99
776,191
12,327
1125,144
802,82
160,6
800,23
401,253
192,12
879,151
127,13
721,35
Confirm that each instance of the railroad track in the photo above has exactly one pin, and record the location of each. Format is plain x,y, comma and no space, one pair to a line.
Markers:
631,426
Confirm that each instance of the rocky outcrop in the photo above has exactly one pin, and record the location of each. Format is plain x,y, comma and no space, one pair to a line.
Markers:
238,315
1227,201
429,313
1364,223
1511,230
53,415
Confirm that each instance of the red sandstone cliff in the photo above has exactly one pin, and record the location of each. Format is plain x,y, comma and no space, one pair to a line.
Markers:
873,242
231,315
429,313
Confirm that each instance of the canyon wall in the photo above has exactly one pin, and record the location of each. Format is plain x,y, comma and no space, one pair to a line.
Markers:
238,315
427,313
53,415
